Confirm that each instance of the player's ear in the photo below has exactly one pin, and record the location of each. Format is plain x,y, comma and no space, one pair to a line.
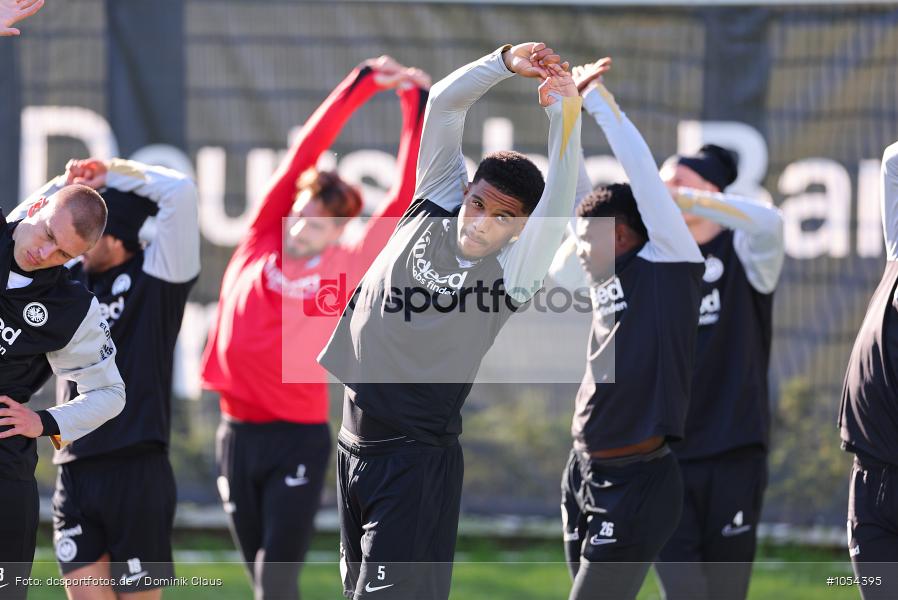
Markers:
519,222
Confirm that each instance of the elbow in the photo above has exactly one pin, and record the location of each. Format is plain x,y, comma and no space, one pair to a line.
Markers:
890,161
117,399
437,99
765,281
778,250
522,295
770,233
773,227
443,99
778,227
187,192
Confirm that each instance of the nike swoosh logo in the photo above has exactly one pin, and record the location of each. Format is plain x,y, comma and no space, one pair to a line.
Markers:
730,531
601,541
295,481
368,587
135,577
604,484
4,585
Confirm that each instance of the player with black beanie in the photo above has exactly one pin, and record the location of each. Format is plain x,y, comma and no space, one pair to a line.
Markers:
723,454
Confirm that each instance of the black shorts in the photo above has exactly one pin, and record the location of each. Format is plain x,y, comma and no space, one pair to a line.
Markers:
123,506
18,534
399,505
270,481
621,511
873,526
717,534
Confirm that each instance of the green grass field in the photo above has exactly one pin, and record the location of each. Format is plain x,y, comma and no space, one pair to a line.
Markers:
485,570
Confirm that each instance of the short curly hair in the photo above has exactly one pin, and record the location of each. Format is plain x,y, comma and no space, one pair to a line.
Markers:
339,198
614,200
514,174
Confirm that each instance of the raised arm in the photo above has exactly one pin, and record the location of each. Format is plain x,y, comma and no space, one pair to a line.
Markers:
889,198
380,226
413,102
584,184
442,176
758,227
89,361
174,253
316,136
526,262
669,238
45,191
564,269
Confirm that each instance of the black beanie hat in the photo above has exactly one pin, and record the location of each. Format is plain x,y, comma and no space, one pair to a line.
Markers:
715,164
126,214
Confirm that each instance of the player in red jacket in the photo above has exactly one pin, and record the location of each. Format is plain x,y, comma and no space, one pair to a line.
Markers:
286,285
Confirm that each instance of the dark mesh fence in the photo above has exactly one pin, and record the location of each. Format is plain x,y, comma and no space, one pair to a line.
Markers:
255,70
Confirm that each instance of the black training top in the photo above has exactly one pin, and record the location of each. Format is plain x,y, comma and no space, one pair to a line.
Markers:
51,323
144,314
143,299
729,406
868,416
639,366
642,343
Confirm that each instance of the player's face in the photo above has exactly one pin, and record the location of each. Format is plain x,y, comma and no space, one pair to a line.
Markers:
594,246
107,253
310,228
46,237
676,176
488,220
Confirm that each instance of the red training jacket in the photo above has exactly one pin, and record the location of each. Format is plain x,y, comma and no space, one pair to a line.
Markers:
250,336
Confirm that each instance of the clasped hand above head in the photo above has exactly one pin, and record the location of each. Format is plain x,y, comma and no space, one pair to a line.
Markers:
537,60
588,75
89,171
391,74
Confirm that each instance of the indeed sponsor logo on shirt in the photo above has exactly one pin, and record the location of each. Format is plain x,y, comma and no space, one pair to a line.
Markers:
113,310
8,335
608,298
424,273
709,313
